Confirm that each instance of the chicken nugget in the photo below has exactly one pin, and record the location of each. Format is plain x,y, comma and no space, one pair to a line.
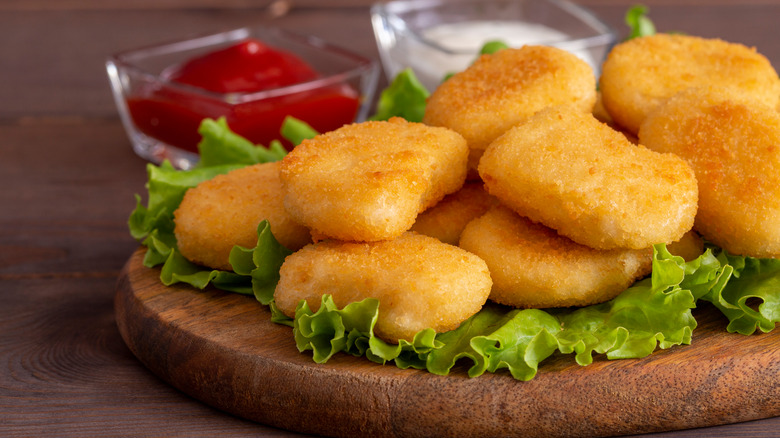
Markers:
446,220
601,114
368,181
733,145
534,267
689,247
502,89
641,73
419,281
225,211
572,173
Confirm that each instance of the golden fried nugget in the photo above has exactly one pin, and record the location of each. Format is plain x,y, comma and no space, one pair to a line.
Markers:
733,145
419,281
689,247
500,90
225,211
641,73
446,220
572,173
368,181
601,114
534,267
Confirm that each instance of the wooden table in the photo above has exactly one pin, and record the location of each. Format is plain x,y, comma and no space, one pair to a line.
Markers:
68,175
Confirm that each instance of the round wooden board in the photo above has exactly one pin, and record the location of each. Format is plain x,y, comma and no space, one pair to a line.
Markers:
223,350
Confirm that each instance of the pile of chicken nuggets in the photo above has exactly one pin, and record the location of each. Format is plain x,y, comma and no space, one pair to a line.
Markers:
523,185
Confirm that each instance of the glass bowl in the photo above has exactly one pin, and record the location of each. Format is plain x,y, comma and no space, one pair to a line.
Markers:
439,37
161,115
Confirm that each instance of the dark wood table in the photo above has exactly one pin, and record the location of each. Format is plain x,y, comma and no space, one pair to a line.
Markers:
68,176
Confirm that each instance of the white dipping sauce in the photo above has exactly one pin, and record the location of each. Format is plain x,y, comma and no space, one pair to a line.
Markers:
465,39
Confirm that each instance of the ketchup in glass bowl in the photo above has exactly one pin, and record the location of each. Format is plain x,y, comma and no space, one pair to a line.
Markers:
254,77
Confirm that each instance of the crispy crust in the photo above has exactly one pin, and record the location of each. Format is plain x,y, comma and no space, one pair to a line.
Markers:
225,211
733,145
368,181
502,89
639,74
447,219
533,266
419,281
574,174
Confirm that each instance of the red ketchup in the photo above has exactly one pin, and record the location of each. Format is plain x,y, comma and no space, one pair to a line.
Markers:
172,115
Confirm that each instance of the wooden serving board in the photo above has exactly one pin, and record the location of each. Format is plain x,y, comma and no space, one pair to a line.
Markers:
223,350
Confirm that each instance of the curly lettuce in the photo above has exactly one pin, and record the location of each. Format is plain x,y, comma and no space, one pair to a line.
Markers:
331,330
750,298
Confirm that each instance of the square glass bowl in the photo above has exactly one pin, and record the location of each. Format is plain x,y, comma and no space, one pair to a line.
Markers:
162,116
439,37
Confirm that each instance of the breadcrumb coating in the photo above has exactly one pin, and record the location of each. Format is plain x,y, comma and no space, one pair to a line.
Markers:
500,90
419,281
368,181
639,74
733,145
225,211
446,220
572,173
689,247
534,267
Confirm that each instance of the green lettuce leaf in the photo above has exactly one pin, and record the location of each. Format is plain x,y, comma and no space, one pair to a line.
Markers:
220,145
495,338
296,131
178,269
405,97
525,338
261,263
654,312
750,299
632,325
331,330
492,47
278,317
638,22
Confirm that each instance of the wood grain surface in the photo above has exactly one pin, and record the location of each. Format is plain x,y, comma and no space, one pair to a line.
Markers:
223,349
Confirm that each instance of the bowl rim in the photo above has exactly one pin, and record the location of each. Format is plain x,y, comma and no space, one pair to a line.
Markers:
124,60
388,11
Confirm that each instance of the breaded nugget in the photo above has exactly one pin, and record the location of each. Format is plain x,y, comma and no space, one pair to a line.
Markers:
689,247
502,89
368,181
419,281
572,173
533,266
733,145
601,114
641,73
446,220
225,211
